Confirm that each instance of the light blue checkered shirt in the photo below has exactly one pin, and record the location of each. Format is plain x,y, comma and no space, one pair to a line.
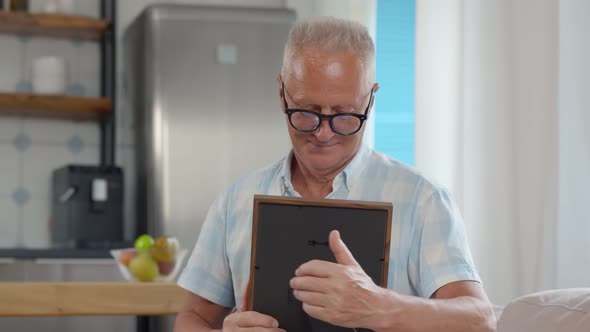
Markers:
428,243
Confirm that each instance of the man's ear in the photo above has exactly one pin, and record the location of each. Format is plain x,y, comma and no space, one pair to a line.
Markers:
281,92
280,85
375,88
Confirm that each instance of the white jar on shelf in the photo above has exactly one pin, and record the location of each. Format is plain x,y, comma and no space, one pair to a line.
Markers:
50,75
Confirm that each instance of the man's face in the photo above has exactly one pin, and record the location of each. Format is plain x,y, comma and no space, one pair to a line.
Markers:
326,82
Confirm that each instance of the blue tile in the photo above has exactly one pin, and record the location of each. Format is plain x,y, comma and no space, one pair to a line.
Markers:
23,86
21,196
22,142
75,144
77,90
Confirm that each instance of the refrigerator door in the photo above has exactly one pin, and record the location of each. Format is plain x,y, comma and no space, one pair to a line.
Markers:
207,104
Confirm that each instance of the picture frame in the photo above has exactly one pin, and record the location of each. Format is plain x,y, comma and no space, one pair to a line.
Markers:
289,231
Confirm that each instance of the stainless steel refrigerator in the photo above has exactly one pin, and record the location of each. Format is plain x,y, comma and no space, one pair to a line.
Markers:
202,85
202,81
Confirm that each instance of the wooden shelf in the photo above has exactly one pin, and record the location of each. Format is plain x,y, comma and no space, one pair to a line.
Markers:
22,299
52,25
75,108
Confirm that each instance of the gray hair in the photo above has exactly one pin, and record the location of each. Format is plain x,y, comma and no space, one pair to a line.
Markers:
330,33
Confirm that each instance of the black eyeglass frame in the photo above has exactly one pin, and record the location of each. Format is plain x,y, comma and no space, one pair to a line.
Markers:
291,111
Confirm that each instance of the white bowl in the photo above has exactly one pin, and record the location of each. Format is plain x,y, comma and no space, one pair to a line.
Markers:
170,277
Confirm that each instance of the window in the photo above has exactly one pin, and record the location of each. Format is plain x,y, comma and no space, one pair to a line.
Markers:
394,105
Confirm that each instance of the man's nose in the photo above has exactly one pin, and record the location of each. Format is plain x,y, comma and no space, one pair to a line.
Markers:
324,132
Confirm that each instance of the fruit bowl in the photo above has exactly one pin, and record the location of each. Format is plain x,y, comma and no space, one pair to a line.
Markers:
151,264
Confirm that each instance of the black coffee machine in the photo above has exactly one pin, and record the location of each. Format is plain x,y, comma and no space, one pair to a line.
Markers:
87,207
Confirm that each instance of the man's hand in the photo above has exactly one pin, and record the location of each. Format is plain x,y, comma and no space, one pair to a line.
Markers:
247,321
244,321
340,293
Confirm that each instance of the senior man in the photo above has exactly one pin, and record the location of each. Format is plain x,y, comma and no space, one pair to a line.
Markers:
326,90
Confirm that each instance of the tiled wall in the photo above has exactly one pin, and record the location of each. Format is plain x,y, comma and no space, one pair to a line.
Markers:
31,148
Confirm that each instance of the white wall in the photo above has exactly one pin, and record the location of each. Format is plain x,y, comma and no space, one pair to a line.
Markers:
438,95
535,54
486,105
574,144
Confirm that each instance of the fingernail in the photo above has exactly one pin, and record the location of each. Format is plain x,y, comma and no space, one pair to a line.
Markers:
275,324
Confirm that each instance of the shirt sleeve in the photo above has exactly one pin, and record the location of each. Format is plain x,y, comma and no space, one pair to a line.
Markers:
207,272
440,249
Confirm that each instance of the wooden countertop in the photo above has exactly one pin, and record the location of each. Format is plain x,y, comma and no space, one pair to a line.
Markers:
89,298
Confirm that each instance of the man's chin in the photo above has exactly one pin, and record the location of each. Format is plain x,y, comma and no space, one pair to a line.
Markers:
320,153
314,148
321,162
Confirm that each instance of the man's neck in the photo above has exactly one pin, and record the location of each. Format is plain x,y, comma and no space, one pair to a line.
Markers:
310,183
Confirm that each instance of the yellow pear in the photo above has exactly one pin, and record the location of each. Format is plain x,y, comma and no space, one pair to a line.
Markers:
143,267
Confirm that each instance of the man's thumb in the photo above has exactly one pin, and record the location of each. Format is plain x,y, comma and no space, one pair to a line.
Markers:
340,251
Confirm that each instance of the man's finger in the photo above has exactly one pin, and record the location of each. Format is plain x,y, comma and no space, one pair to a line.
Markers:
255,319
340,251
315,311
311,284
317,268
259,329
312,298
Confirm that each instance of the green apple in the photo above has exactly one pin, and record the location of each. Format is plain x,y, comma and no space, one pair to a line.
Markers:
143,267
144,242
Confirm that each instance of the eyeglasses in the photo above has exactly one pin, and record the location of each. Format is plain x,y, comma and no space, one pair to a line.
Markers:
342,123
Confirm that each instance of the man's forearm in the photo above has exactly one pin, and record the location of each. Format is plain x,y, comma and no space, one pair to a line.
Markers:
409,314
191,322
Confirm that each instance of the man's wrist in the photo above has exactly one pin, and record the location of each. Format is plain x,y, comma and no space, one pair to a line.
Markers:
389,307
396,312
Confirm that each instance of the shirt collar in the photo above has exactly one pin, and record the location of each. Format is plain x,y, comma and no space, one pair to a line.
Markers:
352,171
348,176
285,174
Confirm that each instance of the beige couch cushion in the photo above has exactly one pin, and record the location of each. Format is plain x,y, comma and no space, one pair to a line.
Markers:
565,310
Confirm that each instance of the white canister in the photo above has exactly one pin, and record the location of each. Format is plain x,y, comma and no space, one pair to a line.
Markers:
50,7
50,75
65,6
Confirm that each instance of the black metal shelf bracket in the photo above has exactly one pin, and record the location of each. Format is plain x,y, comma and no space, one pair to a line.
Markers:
108,76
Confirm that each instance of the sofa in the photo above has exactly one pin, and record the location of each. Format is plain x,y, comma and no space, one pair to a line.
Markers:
563,310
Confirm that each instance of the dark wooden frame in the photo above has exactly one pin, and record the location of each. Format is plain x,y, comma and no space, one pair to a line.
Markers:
258,199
